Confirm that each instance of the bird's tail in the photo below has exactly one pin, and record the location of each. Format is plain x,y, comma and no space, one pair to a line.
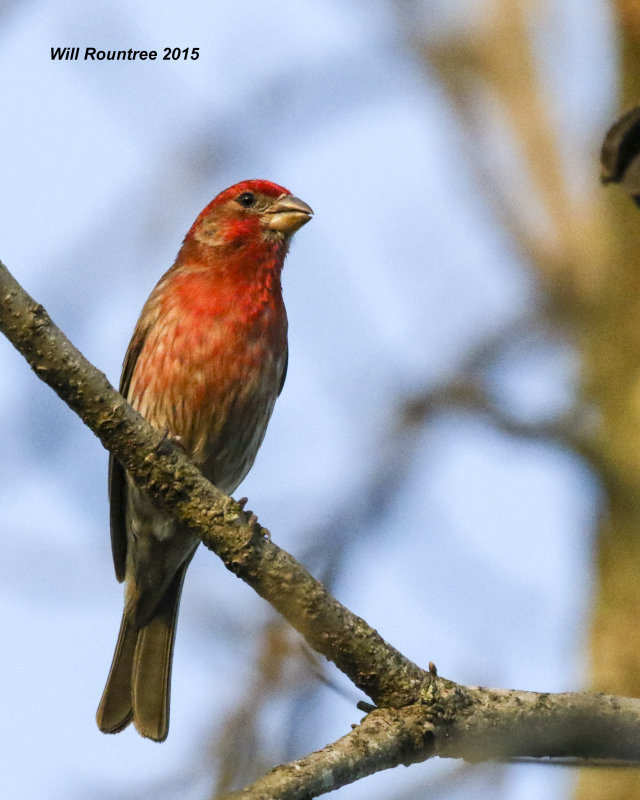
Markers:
139,682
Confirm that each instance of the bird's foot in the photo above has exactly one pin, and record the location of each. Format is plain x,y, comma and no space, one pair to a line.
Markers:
164,445
252,522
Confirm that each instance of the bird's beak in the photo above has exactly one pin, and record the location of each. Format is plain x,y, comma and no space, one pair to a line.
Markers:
287,214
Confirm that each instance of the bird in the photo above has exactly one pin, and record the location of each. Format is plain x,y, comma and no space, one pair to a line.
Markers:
205,365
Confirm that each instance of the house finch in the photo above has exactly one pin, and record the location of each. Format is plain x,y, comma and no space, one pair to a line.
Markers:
206,362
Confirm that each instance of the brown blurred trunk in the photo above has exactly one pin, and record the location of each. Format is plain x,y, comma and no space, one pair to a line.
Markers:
612,358
587,263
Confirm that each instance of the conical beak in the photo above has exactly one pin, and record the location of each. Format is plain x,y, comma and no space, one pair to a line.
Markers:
287,214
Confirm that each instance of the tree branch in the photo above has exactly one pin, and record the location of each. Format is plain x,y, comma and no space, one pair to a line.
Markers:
423,714
175,484
493,724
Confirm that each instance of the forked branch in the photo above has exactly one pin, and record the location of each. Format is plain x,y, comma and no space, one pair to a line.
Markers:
419,714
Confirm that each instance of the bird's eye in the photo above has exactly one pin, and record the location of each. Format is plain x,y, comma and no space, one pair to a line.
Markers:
246,199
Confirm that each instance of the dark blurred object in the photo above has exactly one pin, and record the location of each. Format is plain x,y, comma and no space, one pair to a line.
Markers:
619,158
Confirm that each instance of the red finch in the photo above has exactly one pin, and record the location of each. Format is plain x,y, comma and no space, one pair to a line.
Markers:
206,362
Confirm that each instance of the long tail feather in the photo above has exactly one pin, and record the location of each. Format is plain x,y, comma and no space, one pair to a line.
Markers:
151,675
139,683
116,710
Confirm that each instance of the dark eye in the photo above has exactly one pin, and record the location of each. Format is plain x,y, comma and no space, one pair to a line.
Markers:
246,199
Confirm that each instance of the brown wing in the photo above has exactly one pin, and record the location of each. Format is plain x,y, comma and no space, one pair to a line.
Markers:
284,371
117,474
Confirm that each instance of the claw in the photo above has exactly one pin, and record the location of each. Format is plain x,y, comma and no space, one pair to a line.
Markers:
252,521
178,440
164,445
